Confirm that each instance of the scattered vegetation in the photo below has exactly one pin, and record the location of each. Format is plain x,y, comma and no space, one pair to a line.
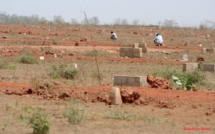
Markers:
39,122
27,59
96,53
167,73
97,75
151,120
74,113
63,71
122,115
39,84
5,65
186,81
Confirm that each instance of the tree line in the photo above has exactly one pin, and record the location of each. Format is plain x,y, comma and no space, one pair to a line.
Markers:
36,19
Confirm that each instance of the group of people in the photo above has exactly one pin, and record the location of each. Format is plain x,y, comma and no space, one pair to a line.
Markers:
158,41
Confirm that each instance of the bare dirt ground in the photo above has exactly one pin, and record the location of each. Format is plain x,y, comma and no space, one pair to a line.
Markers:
162,111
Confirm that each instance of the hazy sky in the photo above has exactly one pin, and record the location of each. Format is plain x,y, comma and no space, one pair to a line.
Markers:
184,12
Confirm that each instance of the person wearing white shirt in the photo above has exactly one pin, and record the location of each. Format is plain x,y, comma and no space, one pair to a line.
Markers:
113,36
158,40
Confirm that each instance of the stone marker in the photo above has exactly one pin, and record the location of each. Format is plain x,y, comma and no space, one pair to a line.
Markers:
207,67
115,96
130,52
135,45
136,81
208,50
190,67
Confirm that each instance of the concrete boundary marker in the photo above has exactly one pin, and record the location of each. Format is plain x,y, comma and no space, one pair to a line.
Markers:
136,81
190,67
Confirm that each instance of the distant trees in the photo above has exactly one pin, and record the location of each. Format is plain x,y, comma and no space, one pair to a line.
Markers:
58,19
34,19
207,25
74,22
135,22
94,21
91,21
119,21
3,17
168,23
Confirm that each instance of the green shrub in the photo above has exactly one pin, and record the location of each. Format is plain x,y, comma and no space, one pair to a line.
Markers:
74,113
63,71
187,81
27,59
39,123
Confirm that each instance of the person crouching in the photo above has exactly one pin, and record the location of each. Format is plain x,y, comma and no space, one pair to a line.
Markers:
158,40
113,36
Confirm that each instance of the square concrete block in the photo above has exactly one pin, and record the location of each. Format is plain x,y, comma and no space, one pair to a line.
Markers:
130,54
137,49
123,49
122,54
138,55
189,67
124,80
142,45
140,80
208,50
128,81
120,80
144,50
207,67
131,80
135,45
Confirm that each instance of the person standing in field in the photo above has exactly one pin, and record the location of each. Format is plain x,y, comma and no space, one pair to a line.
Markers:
158,40
113,36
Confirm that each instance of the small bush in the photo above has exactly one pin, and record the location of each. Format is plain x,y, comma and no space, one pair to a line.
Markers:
74,113
189,79
27,59
39,123
186,81
63,71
